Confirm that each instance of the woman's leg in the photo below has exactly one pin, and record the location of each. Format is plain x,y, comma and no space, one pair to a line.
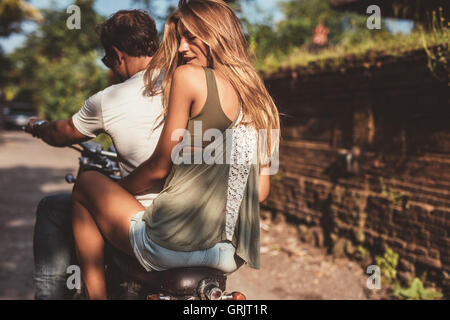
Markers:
89,245
101,209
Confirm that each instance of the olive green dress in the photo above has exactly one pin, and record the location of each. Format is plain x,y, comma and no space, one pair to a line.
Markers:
215,199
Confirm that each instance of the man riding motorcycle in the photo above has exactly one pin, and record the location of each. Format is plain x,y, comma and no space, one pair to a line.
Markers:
125,113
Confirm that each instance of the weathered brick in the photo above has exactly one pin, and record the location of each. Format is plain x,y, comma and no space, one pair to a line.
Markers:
434,253
411,154
399,244
420,251
432,263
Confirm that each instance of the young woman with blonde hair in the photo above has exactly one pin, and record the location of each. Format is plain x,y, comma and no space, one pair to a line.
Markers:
207,210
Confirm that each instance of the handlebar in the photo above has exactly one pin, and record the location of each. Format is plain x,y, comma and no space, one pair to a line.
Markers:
92,148
93,157
109,154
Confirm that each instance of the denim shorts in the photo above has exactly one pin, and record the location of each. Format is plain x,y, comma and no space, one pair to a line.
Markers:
154,257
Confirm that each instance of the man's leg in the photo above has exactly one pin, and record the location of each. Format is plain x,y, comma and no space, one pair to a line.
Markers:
53,247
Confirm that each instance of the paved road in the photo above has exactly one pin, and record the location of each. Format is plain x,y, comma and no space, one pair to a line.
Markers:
30,170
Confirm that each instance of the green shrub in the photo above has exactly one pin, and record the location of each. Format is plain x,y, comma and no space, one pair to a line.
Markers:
415,291
361,253
388,265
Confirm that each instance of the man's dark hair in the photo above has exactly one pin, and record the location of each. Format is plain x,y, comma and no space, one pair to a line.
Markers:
130,31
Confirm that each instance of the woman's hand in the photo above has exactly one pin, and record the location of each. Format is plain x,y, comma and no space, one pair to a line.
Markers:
137,186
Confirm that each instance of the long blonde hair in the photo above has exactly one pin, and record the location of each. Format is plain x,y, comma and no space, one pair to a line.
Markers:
217,26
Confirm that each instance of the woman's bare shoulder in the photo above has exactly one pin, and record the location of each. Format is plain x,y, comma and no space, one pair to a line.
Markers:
190,77
189,71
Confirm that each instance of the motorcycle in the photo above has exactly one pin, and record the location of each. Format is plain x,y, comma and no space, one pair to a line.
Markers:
125,277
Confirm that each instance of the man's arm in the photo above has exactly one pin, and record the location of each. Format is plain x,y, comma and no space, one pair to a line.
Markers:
59,133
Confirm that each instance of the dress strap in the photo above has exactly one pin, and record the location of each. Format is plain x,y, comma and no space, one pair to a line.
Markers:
211,83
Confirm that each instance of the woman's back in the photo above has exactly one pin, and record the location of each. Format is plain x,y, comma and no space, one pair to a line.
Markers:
228,97
219,106
209,201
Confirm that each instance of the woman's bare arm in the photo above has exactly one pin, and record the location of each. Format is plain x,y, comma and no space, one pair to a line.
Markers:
264,183
149,177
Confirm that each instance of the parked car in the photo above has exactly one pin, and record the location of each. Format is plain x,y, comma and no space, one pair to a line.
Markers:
17,115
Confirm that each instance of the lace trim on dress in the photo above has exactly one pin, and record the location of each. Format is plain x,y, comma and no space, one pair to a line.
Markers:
243,146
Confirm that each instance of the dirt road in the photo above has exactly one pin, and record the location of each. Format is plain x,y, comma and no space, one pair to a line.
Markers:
30,170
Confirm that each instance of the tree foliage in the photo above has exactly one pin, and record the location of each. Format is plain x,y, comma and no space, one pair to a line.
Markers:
13,13
296,28
58,68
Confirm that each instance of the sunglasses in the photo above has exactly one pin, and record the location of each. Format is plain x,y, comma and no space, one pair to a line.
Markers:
109,60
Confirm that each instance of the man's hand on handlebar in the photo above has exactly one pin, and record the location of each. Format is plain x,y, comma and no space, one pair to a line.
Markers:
58,133
33,125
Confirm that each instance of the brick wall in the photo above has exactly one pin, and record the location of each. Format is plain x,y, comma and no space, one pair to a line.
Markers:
365,159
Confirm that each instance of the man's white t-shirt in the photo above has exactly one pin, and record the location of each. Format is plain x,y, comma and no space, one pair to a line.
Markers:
129,116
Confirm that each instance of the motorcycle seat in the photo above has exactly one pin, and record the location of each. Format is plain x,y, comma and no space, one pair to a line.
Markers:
178,281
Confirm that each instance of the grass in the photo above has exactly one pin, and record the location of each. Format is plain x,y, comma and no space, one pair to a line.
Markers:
335,57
